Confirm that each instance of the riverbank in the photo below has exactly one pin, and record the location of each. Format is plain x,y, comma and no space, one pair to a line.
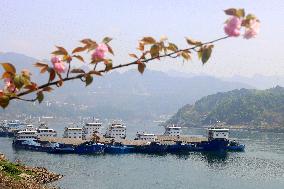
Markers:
14,175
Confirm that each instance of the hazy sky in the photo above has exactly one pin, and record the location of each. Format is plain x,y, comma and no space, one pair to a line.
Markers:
34,27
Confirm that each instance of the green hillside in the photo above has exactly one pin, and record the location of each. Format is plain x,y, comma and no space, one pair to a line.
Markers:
237,107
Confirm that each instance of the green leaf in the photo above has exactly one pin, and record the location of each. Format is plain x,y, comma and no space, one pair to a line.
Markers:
148,40
107,40
4,101
18,81
154,51
206,53
40,96
108,67
9,68
141,67
89,79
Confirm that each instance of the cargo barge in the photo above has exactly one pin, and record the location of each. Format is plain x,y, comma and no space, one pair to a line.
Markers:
218,140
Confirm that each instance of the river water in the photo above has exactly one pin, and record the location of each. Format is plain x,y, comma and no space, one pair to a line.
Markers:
260,166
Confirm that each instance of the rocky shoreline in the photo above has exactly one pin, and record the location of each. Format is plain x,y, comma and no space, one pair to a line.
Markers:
19,176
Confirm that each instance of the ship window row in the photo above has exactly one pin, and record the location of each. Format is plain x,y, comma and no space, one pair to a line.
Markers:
26,137
75,137
46,131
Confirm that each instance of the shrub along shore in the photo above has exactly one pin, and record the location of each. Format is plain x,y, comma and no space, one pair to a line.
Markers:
19,176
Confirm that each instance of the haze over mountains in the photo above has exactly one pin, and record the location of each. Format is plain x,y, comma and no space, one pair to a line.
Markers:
127,95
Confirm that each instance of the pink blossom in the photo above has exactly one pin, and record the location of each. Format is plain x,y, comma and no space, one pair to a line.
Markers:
9,86
233,26
55,59
252,30
100,51
59,67
7,81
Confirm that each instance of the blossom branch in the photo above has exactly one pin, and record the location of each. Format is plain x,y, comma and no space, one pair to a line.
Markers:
80,76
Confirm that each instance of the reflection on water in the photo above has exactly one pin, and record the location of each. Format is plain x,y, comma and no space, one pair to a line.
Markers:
260,166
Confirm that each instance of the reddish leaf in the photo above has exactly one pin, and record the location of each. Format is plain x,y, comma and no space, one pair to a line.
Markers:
7,75
9,68
110,49
39,65
44,69
89,79
141,68
79,57
133,56
231,11
148,40
192,41
4,101
77,71
51,74
32,86
95,72
47,89
79,49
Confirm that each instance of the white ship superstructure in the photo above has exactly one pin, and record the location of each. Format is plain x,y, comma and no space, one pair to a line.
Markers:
218,133
172,130
46,133
150,137
116,130
27,135
89,129
73,132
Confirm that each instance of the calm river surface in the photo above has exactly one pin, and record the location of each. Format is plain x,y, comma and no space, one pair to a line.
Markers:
260,166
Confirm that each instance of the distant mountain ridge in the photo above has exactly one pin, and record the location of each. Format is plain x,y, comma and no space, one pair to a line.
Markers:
237,107
127,95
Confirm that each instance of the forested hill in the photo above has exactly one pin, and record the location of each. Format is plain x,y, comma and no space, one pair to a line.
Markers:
237,107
